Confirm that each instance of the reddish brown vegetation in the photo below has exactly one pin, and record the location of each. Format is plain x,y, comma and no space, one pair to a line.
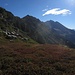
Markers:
36,59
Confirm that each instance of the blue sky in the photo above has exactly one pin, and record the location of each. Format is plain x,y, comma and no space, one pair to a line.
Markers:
57,10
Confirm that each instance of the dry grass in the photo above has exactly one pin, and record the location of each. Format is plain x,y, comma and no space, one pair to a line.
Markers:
36,59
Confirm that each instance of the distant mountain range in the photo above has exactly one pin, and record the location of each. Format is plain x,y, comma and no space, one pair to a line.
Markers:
48,32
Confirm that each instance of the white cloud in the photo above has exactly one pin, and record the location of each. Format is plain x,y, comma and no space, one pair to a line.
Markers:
57,11
44,9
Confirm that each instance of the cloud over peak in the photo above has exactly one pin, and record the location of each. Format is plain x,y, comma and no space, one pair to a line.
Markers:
57,11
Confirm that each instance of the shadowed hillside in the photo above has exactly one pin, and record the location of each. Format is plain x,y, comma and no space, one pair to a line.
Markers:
30,27
61,30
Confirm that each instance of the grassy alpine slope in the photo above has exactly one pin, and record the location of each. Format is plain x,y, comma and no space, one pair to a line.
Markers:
36,59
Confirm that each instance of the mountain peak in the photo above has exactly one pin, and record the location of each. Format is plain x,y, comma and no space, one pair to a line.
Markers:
50,32
28,16
31,18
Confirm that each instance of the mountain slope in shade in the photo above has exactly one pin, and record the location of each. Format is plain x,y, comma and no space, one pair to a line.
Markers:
61,30
49,32
44,33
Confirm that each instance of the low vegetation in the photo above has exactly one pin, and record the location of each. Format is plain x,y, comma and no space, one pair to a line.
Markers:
36,59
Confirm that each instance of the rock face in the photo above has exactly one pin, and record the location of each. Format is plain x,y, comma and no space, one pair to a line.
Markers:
43,32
